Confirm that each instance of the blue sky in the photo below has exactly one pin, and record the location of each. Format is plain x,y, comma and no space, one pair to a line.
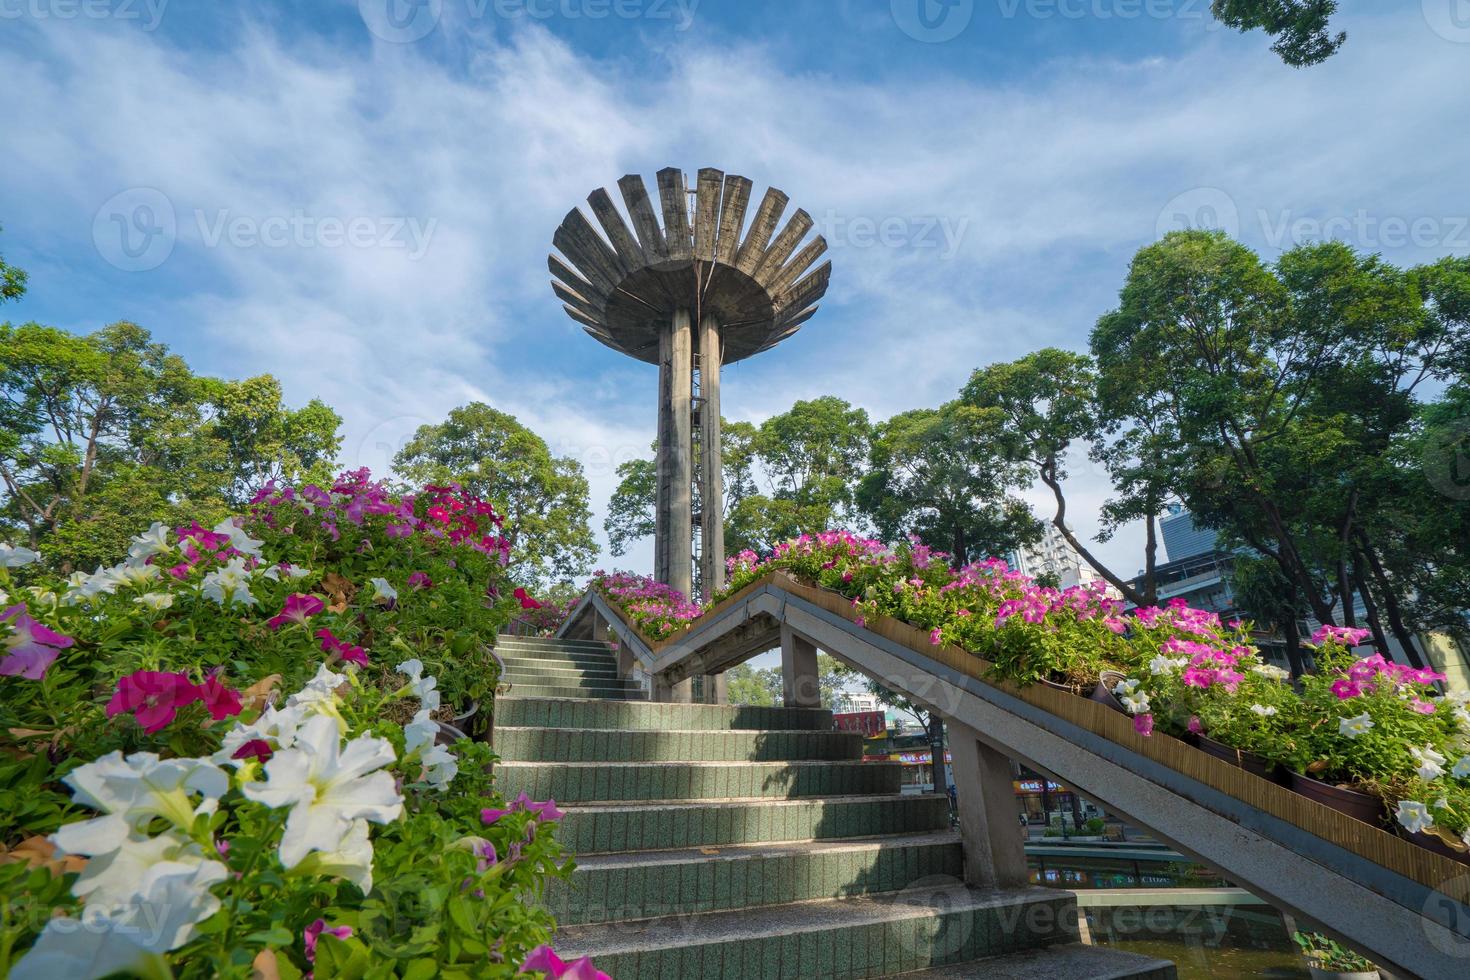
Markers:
1018,152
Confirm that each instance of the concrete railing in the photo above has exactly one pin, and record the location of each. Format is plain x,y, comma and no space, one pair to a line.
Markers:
1406,908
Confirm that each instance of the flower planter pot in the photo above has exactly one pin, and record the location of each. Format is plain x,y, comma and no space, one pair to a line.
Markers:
1437,844
1249,761
1355,803
1320,974
1067,688
1103,693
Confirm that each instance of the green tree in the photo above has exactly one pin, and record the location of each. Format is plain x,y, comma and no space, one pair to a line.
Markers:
101,435
749,685
1038,407
12,281
1301,27
544,498
938,474
630,512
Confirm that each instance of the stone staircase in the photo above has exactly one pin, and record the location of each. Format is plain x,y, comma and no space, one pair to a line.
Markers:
741,842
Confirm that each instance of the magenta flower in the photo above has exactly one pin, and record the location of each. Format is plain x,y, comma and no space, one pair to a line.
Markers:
490,816
525,599
543,960
1345,688
418,580
344,651
256,748
1423,707
220,700
31,648
153,697
1143,724
936,636
1341,634
314,932
298,609
1194,725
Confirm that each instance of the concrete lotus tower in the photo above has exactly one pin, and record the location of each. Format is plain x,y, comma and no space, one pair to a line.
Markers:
689,287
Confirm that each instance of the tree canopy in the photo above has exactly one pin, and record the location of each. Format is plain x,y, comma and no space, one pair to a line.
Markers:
102,434
544,498
1302,28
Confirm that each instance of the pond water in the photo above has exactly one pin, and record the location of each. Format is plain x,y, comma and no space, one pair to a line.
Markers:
1205,941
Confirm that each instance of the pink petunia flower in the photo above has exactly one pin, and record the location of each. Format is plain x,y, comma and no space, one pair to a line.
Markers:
418,580
1195,726
315,931
525,599
1423,707
1143,724
220,700
256,748
31,647
153,697
543,960
298,609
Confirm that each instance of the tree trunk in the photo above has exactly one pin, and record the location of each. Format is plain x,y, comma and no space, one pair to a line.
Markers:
1060,523
1293,638
1390,603
1150,561
1375,622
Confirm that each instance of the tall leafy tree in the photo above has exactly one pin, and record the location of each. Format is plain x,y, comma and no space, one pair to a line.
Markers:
544,498
1039,407
939,474
102,434
1302,28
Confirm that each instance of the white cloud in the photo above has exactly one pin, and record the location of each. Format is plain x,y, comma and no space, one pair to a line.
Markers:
1051,182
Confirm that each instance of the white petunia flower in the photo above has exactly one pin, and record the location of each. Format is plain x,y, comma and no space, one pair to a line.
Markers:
1125,687
420,732
239,540
157,601
1431,763
383,591
1355,726
1164,665
16,556
1272,672
153,541
116,878
1136,704
441,766
423,687
319,697
1263,710
1415,817
352,860
132,791
1462,768
130,939
278,727
229,584
328,786
136,574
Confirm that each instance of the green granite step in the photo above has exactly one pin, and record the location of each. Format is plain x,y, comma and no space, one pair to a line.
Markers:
589,782
568,678
521,667
645,885
636,827
622,692
1070,962
592,745
911,930
574,659
524,711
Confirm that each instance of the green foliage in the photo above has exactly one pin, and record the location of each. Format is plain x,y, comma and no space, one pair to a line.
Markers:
12,281
543,497
1330,956
630,513
938,474
1300,27
103,434
748,685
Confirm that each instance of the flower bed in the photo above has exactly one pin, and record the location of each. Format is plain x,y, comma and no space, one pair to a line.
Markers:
170,807
1368,724
658,610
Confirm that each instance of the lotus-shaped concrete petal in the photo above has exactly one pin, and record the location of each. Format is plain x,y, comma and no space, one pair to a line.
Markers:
623,285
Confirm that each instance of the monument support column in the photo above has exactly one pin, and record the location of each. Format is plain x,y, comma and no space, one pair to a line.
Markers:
995,850
676,515
799,685
712,479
